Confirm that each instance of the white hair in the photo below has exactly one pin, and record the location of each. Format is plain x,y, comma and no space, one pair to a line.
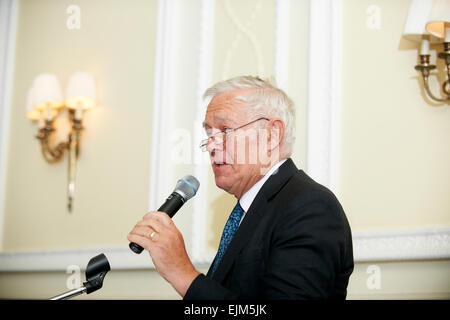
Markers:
263,99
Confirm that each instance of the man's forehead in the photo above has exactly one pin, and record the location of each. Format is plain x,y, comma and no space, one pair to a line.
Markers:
217,118
223,107
221,116
227,98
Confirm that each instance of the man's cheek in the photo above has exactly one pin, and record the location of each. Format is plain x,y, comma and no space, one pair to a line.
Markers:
229,152
236,152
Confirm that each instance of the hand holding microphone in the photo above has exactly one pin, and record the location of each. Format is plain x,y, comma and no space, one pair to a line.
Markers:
185,189
164,242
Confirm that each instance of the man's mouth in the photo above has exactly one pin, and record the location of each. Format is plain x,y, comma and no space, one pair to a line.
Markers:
219,164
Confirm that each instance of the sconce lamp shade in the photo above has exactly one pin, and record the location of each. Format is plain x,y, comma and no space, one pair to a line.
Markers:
46,92
417,18
80,91
31,112
439,19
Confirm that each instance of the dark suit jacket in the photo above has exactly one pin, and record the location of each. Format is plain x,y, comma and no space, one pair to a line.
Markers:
294,243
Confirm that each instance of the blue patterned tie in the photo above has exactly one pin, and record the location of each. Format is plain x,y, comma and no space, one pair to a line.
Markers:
228,232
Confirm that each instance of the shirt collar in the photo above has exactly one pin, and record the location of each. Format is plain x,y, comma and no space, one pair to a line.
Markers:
248,197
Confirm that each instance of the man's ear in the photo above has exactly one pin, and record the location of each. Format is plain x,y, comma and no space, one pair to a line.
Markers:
276,132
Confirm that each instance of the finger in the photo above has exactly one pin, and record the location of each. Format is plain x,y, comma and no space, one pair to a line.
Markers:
143,231
160,216
144,242
152,223
154,236
148,214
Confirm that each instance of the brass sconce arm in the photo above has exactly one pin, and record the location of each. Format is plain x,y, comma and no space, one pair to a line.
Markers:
74,150
56,154
425,67
51,155
446,57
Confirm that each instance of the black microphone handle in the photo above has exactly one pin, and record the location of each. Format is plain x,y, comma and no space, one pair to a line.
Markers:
171,206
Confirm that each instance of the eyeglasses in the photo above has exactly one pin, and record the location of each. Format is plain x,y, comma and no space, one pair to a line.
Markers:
221,136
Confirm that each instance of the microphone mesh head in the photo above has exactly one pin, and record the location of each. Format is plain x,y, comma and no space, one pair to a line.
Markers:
187,187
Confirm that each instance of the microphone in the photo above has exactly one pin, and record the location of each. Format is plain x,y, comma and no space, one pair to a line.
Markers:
185,189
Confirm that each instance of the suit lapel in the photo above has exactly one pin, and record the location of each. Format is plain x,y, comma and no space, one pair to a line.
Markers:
253,216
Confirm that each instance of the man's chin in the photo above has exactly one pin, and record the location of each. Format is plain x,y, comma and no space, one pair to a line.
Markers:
222,182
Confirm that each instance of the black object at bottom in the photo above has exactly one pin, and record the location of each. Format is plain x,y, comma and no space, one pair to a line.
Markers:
171,206
96,271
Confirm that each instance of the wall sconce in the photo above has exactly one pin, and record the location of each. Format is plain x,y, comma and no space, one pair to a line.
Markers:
45,102
429,23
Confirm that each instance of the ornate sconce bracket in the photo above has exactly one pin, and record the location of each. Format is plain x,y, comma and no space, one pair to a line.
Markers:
425,67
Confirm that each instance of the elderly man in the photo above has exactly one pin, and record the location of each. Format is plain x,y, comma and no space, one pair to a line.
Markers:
286,238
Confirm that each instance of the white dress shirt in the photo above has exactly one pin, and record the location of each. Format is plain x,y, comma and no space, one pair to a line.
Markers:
247,198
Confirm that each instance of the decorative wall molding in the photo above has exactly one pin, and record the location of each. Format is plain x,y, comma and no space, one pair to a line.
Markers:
8,25
120,258
404,244
428,243
201,167
282,42
323,96
244,30
164,85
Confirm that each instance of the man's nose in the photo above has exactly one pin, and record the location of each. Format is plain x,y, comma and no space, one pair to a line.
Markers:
214,143
210,146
